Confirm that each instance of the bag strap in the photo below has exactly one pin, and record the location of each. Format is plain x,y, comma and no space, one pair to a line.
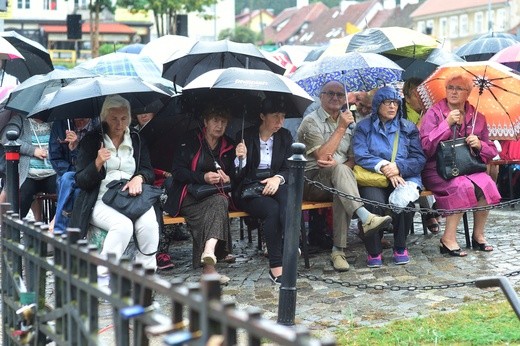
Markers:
138,248
394,150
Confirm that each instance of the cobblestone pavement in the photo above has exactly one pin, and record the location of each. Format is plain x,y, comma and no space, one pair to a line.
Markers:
323,306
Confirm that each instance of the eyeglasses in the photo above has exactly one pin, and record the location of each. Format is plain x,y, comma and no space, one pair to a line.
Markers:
389,102
331,94
455,88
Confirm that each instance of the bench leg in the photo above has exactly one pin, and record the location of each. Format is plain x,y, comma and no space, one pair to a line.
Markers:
305,247
241,228
466,229
260,230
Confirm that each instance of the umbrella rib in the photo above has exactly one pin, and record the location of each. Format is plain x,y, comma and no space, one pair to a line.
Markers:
501,105
503,89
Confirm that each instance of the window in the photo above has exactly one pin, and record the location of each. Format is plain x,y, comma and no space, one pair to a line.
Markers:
500,24
81,4
454,26
23,4
50,4
463,25
429,25
479,22
421,26
443,26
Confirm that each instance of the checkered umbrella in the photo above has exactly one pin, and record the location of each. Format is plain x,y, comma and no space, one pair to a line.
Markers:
127,64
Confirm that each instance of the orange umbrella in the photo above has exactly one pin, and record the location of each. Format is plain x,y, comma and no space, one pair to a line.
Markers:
495,94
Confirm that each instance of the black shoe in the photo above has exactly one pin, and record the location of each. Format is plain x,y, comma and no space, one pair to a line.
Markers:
277,280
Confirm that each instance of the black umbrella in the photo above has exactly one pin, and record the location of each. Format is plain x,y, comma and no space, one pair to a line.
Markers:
484,47
37,59
247,85
423,67
24,96
204,56
84,97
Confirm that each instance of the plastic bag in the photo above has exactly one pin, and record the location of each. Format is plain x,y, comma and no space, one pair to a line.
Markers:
403,195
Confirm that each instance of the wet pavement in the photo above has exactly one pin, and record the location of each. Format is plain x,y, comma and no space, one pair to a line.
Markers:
325,305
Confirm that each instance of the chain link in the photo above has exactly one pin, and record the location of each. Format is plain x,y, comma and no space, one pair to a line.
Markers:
379,287
409,209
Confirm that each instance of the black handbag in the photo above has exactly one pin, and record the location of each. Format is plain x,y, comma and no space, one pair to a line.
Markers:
252,190
201,191
455,158
132,207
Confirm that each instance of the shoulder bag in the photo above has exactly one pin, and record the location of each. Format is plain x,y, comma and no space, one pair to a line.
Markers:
364,177
201,191
132,207
455,157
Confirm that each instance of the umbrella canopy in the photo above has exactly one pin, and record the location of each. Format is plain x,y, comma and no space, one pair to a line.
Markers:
134,48
83,98
392,40
357,71
36,58
495,94
27,94
423,67
253,82
509,56
483,48
7,51
126,64
204,56
163,48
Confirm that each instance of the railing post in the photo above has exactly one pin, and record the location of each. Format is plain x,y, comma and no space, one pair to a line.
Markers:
12,158
287,298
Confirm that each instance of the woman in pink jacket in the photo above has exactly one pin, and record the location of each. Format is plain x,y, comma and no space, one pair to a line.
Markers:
466,191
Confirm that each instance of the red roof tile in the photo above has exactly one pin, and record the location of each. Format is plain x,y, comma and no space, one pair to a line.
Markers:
430,7
104,28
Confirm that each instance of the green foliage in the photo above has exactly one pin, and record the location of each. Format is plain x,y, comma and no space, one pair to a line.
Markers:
103,4
240,34
476,323
107,48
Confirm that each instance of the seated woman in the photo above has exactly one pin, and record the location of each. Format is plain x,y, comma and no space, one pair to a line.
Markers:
35,169
112,153
387,144
205,157
264,150
465,191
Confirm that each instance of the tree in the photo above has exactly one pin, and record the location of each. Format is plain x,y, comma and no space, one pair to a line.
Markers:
95,7
240,34
165,11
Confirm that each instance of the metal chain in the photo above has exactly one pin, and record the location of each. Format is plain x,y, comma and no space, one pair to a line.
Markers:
313,277
409,209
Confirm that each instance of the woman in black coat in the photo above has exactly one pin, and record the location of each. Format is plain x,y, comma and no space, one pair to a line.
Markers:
115,153
264,151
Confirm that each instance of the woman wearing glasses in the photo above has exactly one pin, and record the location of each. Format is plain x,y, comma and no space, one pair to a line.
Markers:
387,144
477,189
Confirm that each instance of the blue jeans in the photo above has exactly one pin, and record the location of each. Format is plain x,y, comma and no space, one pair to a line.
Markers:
67,193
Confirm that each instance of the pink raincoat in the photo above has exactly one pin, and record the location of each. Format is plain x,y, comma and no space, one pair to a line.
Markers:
458,192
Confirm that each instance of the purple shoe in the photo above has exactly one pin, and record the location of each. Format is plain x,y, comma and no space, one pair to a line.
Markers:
375,262
401,257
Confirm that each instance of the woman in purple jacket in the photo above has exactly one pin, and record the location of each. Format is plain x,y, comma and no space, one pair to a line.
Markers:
466,191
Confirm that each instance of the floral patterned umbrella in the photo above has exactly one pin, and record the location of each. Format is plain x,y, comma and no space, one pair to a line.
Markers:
357,71
495,94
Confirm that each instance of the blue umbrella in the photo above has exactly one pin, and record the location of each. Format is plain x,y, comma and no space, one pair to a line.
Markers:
484,47
358,71
134,48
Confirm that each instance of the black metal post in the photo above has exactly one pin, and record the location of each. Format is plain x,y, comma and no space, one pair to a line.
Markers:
12,158
287,298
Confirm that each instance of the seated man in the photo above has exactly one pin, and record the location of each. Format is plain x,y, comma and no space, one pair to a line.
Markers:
64,139
326,135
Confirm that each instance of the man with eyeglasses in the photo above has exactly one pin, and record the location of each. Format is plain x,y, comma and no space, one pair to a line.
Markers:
327,137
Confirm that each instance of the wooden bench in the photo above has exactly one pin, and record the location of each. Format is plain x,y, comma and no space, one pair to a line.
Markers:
306,205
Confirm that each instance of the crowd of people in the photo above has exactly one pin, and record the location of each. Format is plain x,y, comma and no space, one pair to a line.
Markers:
207,172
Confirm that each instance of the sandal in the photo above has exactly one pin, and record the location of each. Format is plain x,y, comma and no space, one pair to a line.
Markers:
455,252
208,259
480,246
